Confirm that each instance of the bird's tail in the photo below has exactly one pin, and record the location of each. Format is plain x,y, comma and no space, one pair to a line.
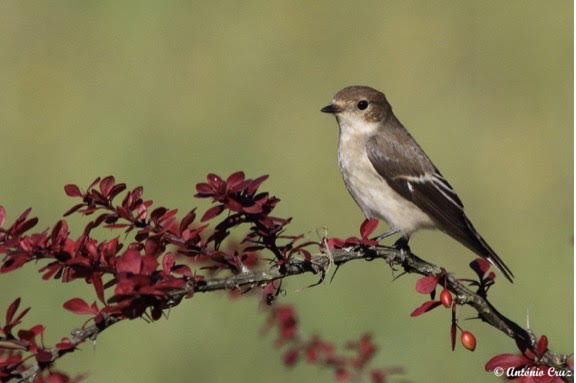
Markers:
481,247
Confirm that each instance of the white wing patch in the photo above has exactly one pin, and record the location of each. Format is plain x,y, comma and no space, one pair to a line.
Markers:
438,182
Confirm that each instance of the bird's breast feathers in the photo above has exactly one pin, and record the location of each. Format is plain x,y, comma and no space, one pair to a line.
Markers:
371,192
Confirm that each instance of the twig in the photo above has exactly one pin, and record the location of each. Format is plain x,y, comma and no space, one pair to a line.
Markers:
318,265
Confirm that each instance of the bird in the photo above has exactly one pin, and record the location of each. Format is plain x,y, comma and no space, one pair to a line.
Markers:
392,179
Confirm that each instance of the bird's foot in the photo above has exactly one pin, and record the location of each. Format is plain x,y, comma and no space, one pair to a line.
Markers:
402,245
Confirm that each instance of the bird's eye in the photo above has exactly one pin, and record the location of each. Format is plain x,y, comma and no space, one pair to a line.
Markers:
362,104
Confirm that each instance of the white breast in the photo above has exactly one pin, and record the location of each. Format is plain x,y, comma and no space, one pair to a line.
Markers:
371,192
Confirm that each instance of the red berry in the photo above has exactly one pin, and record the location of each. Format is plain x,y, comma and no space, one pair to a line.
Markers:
446,298
468,340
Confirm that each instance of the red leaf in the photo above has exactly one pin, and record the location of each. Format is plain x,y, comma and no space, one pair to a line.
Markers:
14,262
542,345
116,189
212,212
24,215
204,189
254,209
129,262
342,374
9,347
59,231
141,211
26,335
291,357
27,225
158,213
254,185
453,335
109,248
106,185
38,329
72,190
149,265
2,215
93,183
136,195
334,243
426,285
368,227
21,315
484,264
44,356
234,181
73,209
480,266
12,310
233,205
352,241
306,254
506,361
98,286
168,262
59,377
167,216
425,307
453,327
152,246
182,270
192,233
377,376
65,344
116,226
187,220
79,306
214,180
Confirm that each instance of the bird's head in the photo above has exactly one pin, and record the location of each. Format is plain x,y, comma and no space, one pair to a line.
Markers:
356,107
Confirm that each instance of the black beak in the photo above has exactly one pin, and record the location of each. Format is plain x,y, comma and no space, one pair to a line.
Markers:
332,109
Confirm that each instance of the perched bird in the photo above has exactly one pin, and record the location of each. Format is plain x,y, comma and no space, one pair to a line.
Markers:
392,179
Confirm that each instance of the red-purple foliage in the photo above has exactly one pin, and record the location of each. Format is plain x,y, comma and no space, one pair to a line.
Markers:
13,347
155,260
366,228
142,273
526,366
348,363
427,285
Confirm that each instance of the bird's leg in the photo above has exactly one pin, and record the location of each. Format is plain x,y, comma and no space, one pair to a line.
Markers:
387,234
402,244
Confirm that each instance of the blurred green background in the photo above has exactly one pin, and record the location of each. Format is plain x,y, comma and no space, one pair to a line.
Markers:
161,93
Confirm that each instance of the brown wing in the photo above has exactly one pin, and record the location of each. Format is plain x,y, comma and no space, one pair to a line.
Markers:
407,169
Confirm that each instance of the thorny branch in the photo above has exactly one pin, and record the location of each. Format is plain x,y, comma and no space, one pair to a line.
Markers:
319,265
142,274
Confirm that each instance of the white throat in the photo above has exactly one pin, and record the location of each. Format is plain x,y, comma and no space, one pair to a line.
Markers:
352,125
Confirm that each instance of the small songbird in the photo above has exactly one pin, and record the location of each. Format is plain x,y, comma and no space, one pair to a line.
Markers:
392,179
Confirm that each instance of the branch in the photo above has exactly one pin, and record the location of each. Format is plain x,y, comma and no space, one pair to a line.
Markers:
319,264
